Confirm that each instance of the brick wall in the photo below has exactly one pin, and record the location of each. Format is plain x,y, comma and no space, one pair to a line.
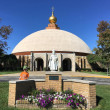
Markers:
12,94
19,88
85,88
40,85
49,84
54,84
67,85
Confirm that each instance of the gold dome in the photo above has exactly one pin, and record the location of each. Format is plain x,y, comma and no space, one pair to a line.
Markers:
52,19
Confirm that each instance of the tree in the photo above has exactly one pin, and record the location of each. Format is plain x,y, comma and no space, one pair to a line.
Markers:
4,32
9,62
103,43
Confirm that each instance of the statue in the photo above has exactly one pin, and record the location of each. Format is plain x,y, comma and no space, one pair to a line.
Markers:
53,61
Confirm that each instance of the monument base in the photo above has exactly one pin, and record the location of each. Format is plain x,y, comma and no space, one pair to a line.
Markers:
53,80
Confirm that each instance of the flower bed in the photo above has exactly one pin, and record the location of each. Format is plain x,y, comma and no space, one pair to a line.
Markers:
50,98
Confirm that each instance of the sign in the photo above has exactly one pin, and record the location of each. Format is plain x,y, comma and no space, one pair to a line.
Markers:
53,77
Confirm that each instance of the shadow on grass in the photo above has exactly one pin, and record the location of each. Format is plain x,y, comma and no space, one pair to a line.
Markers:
98,99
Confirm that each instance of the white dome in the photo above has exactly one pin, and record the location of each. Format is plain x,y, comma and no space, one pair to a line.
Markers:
49,39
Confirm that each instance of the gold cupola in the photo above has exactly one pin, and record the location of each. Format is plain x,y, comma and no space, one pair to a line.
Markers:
52,19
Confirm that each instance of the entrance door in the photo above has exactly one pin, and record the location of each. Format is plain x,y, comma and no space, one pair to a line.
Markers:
66,64
40,64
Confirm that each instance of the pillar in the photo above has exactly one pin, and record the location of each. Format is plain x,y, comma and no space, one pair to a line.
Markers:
73,62
59,61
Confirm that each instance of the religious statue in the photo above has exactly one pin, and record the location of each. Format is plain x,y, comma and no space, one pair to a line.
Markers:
53,61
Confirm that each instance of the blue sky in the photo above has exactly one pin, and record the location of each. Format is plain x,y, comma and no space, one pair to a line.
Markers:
79,17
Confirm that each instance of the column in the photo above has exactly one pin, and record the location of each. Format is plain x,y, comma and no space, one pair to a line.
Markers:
59,61
73,62
31,62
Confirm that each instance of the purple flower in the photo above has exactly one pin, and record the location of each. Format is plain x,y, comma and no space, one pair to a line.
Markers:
66,98
69,103
48,90
22,96
77,104
70,95
49,99
74,93
71,100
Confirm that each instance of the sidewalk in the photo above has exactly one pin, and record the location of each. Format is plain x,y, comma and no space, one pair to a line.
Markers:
66,73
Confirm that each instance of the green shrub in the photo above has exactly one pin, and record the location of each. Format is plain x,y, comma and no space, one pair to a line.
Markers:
60,69
45,69
86,69
34,92
69,91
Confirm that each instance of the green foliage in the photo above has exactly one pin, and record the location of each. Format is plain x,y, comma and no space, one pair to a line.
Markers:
95,72
4,32
103,97
34,92
69,91
86,69
9,72
102,26
60,69
103,44
44,69
45,91
93,58
9,62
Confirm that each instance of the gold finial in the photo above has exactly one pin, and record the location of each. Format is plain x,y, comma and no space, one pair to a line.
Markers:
52,19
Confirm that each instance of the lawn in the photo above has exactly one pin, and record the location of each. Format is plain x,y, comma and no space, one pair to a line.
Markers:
94,72
9,72
103,97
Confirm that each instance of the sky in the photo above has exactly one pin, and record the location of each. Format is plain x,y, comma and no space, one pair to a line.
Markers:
79,17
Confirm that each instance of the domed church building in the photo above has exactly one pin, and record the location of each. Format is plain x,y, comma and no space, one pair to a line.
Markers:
35,49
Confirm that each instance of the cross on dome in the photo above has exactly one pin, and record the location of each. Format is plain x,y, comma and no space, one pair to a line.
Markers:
52,19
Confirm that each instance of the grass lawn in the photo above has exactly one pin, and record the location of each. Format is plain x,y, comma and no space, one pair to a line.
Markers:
103,97
9,72
94,72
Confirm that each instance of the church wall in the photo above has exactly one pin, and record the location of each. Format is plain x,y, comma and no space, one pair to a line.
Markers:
59,61
26,59
23,60
72,58
82,62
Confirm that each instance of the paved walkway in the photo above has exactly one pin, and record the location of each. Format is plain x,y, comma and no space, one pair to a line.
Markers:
66,73
99,79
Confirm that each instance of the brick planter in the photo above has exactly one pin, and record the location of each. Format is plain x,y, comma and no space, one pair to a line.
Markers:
82,87
57,104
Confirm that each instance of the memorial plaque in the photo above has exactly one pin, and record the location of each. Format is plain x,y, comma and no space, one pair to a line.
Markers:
53,77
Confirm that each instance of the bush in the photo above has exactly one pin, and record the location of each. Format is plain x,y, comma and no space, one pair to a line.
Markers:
44,69
60,69
86,69
69,91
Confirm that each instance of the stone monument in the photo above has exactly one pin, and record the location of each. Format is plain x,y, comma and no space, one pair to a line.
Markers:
53,61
